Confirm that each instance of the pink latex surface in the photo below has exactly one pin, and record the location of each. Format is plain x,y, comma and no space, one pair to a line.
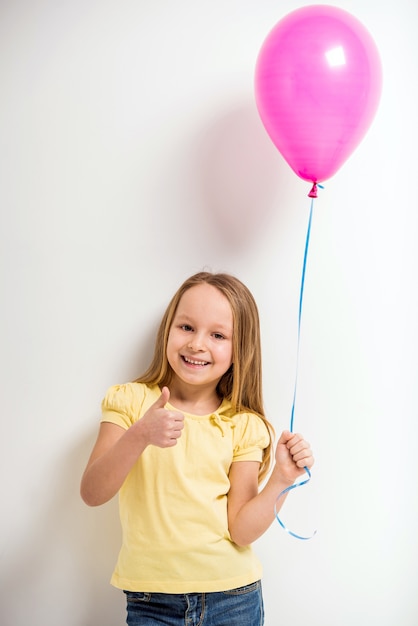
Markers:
318,82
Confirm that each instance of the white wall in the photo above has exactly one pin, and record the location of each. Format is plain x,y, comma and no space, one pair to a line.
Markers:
131,156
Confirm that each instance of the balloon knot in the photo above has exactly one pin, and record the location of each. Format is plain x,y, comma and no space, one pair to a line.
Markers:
314,191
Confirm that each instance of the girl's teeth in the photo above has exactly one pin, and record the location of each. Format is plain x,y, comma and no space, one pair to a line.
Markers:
194,362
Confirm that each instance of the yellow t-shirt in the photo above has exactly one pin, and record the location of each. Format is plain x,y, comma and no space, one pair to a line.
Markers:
173,503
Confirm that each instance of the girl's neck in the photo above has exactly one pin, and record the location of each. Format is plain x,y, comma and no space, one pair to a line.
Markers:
195,401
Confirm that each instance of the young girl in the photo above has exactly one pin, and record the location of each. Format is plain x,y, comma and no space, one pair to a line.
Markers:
186,446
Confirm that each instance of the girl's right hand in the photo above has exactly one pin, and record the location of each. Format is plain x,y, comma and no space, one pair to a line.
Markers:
160,426
117,450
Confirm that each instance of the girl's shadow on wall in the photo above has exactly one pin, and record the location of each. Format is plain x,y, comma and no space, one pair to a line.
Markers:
66,558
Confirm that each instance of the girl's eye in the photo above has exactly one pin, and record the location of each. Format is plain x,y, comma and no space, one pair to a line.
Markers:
186,327
218,336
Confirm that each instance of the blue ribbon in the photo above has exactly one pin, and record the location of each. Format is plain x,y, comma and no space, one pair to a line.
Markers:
292,415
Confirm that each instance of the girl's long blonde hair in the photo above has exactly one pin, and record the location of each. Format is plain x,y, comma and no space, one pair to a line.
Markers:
242,383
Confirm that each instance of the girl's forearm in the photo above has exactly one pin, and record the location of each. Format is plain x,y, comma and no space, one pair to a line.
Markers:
105,475
256,515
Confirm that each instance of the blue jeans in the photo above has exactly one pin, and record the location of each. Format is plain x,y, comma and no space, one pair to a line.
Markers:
236,607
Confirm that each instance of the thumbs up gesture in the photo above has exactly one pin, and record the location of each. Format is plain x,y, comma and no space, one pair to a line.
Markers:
161,426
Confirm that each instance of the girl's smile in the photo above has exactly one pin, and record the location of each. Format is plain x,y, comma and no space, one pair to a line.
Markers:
193,362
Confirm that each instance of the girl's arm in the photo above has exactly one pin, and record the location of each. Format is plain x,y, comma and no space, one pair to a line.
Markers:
250,512
117,450
113,456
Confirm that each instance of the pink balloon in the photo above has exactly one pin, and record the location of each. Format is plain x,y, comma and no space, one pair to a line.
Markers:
317,86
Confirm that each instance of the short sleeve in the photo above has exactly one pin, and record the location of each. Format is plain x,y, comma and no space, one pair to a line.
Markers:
122,404
251,438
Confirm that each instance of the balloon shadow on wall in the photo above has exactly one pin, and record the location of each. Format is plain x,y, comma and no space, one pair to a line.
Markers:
241,180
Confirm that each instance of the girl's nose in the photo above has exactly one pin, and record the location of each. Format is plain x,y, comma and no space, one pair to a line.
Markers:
196,344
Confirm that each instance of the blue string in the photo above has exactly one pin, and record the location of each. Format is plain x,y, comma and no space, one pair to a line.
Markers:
302,287
303,482
292,415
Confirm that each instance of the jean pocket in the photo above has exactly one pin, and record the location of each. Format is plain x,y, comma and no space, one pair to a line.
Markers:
137,596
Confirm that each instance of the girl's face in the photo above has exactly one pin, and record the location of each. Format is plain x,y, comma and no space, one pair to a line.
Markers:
199,347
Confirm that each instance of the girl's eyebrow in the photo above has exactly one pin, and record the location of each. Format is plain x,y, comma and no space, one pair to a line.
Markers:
183,317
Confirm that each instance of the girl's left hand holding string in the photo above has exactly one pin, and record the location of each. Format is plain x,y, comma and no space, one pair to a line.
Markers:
250,511
293,454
